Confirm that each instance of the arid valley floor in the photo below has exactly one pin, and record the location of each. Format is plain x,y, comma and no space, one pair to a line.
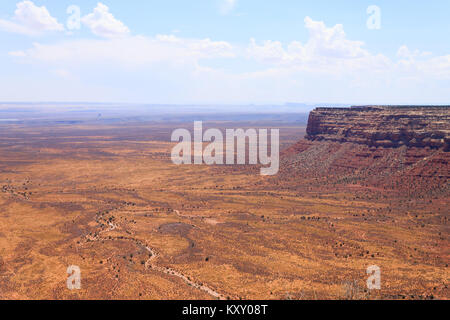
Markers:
107,198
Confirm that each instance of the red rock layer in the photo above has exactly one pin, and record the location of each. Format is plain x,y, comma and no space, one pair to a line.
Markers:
382,126
404,148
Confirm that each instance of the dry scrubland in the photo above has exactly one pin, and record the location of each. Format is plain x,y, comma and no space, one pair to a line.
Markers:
108,199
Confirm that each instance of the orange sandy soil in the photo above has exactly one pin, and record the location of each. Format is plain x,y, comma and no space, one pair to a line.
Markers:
109,200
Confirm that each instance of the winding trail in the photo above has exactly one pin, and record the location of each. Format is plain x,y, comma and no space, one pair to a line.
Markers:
175,273
151,261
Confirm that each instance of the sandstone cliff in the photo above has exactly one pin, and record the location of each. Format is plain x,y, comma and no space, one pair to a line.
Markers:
404,149
382,126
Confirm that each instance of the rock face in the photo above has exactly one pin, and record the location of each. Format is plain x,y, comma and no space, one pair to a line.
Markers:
400,149
383,126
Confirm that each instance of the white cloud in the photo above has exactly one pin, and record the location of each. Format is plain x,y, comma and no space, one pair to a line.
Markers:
226,6
102,23
31,20
62,73
405,53
129,52
19,53
332,42
337,66
417,63
326,50
327,66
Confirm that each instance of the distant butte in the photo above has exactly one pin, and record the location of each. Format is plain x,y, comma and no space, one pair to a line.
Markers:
382,126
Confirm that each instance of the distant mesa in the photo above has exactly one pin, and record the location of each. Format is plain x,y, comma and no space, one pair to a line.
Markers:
382,126
392,147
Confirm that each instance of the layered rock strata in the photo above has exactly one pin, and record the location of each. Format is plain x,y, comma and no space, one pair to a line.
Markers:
382,126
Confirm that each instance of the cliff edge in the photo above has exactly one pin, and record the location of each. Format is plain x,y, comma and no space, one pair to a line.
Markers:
404,149
382,126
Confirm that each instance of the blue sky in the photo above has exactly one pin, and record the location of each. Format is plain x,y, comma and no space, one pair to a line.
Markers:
226,51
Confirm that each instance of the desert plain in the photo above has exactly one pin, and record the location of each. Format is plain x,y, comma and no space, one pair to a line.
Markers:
107,198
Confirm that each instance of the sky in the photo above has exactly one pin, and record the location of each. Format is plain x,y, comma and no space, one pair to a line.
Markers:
226,51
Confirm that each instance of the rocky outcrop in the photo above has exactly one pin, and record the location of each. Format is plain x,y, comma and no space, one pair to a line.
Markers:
383,126
397,149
